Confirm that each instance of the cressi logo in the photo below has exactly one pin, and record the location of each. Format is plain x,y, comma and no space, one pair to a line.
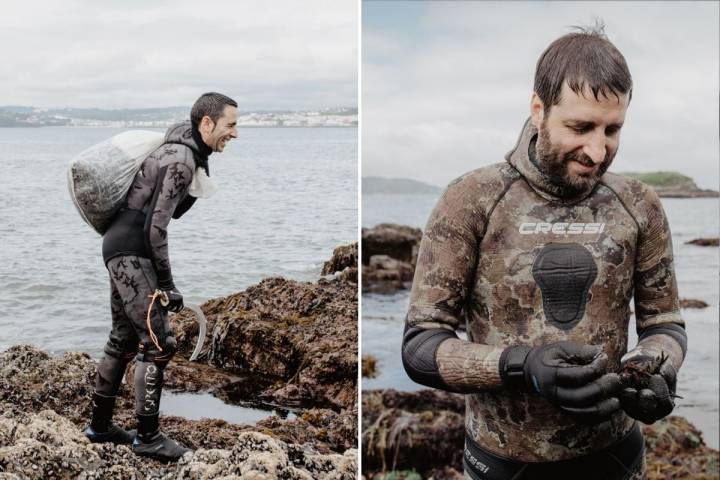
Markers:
561,228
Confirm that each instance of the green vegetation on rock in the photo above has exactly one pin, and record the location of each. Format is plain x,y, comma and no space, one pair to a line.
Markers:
400,475
661,178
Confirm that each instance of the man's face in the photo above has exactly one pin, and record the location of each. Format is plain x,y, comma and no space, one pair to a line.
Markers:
579,137
217,135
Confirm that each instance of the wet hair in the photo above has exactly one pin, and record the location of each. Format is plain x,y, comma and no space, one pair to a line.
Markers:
211,104
581,58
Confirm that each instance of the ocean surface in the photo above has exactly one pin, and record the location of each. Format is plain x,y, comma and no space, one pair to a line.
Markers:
697,275
287,197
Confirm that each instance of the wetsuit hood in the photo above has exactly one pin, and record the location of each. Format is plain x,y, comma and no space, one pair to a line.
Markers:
186,133
521,158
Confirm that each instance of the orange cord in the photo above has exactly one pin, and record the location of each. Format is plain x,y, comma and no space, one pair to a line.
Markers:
147,320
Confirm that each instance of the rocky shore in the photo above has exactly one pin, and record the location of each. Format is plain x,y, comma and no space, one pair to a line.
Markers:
420,435
705,242
389,255
280,343
670,184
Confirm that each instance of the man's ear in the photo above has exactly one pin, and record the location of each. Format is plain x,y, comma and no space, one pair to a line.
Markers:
537,110
206,124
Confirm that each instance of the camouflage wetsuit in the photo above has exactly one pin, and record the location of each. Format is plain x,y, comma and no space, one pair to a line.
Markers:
519,265
135,250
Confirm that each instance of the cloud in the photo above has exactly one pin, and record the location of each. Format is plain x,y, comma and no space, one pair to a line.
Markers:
451,93
272,55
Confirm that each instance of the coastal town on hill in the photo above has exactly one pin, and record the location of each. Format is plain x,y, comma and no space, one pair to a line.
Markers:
11,116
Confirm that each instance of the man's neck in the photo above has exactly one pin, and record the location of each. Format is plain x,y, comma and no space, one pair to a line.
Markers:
204,148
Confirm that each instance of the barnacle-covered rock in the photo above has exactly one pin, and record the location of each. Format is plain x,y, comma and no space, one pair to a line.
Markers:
45,445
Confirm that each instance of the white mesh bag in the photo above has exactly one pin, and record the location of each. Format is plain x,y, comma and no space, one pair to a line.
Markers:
100,177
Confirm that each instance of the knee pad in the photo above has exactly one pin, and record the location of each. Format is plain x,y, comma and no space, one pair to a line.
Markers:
150,353
110,371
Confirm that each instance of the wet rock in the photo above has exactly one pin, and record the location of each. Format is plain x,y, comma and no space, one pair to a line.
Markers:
369,366
46,445
184,376
411,430
344,262
676,450
424,431
45,404
31,380
692,303
389,256
705,242
387,275
396,241
300,336
446,473
280,343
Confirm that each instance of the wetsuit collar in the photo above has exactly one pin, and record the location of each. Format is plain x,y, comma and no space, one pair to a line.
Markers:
186,134
521,158
204,150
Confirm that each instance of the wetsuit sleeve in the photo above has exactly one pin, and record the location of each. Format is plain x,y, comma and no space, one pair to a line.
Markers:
173,181
432,353
657,308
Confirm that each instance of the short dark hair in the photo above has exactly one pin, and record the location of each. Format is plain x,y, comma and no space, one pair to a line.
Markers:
582,58
211,104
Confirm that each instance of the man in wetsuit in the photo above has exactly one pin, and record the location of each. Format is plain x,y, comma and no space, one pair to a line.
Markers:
539,257
135,251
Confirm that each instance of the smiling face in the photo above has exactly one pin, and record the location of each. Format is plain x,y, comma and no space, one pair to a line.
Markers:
217,134
579,137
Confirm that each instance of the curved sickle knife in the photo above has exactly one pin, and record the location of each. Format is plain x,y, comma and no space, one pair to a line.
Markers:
202,323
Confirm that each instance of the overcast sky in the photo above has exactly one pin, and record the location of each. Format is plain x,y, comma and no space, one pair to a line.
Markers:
446,86
127,54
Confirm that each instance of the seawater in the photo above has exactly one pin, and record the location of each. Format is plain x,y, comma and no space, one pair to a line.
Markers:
196,406
697,275
287,197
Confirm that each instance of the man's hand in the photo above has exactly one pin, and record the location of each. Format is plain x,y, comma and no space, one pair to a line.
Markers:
172,300
649,379
569,375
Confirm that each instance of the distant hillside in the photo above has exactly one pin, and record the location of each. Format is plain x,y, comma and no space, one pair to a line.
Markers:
671,184
396,186
666,184
20,116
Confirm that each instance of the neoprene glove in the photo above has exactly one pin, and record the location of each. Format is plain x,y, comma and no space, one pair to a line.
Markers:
649,379
174,300
568,374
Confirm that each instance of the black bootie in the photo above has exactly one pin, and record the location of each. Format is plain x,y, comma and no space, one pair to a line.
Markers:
151,442
101,429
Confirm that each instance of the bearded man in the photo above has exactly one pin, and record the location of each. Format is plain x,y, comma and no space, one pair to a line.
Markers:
539,257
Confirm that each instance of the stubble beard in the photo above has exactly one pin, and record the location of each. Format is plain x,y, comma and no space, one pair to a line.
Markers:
555,167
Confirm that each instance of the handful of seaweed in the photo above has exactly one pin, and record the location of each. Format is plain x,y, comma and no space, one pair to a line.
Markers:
637,372
644,372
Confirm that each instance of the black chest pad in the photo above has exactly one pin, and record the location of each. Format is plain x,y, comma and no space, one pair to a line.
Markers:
564,272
